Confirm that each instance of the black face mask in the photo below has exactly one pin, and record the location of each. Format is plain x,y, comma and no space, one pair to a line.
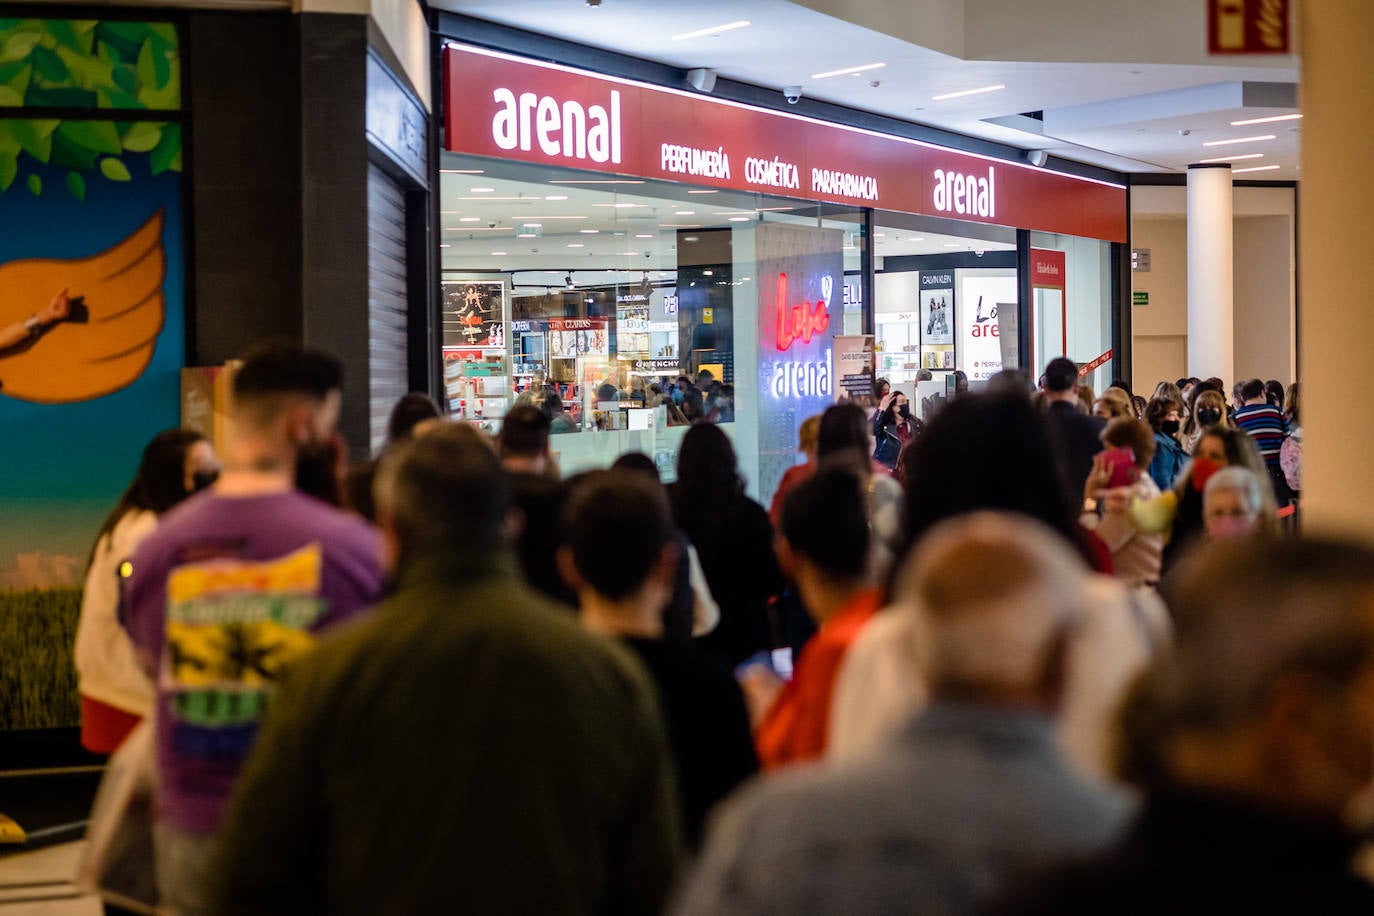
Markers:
904,411
1209,416
203,480
315,477
1169,427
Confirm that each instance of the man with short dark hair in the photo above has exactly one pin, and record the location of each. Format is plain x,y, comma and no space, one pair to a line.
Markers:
1076,435
467,748
228,594
1254,754
619,553
524,442
1264,423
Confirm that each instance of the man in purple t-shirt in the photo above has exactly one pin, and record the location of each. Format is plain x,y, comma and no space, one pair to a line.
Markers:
231,590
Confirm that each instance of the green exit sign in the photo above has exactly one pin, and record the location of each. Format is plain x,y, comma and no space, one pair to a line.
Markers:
1140,297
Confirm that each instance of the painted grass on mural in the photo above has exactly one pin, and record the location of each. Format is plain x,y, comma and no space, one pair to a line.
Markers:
37,679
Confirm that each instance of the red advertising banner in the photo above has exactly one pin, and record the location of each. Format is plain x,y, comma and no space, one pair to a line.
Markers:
508,107
1098,363
1248,26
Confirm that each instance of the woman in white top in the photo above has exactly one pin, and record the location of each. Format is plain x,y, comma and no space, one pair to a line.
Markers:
115,693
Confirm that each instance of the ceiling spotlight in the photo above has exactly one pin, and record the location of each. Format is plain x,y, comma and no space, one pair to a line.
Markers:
567,281
593,3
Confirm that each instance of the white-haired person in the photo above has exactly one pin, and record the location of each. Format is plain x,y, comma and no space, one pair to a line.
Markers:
972,792
1232,503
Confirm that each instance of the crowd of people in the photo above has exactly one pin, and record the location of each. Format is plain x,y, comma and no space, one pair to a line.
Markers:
705,400
1066,664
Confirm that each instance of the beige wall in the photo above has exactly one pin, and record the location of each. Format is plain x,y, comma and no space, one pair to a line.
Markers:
1264,287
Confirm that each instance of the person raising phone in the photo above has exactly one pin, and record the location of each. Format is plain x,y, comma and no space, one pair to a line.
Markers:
1119,477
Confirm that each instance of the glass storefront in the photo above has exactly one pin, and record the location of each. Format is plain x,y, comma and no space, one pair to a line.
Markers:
625,309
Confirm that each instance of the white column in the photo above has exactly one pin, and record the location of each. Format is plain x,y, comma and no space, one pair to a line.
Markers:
1211,332
1335,324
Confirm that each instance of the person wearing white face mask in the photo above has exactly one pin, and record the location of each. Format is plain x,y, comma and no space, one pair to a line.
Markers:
1232,502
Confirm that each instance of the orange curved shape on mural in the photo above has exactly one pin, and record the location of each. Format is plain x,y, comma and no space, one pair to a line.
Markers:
111,345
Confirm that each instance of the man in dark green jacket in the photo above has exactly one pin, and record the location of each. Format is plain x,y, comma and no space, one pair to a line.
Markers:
468,748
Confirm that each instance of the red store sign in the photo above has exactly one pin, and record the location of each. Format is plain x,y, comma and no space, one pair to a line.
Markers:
508,107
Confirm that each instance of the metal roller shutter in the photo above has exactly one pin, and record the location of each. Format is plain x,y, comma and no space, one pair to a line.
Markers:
386,299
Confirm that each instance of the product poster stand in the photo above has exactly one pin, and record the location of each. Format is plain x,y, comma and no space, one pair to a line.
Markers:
854,360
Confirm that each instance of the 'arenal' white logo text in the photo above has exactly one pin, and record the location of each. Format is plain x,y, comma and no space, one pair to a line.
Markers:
967,195
591,132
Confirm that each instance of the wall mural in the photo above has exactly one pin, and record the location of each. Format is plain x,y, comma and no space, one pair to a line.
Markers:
92,324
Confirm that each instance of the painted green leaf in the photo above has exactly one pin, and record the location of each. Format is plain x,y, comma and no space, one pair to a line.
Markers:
166,31
9,97
19,46
16,76
114,170
90,72
35,185
142,137
116,98
97,136
49,65
166,156
76,185
70,155
59,97
147,71
8,144
69,35
124,78
105,54
9,167
35,138
169,96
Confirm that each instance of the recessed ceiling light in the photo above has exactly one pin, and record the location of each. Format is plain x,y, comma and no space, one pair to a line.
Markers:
446,245
1275,118
1240,140
576,245
708,273
596,181
532,225
691,238
644,236
880,235
481,190
629,254
741,219
589,231
713,30
1255,168
1235,158
847,70
470,219
703,192
462,171
957,95
914,240
498,254
555,217
555,197
953,245
620,206
684,213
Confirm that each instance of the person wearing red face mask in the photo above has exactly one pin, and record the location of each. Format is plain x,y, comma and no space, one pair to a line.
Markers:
1219,447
